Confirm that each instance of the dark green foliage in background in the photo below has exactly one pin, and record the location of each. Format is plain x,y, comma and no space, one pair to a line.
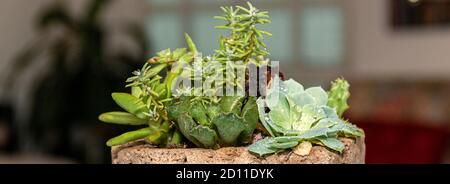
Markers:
80,72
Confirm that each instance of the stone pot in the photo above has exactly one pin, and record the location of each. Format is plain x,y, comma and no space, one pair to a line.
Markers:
141,153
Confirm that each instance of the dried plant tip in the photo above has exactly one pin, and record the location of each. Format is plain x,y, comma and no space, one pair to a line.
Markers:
153,60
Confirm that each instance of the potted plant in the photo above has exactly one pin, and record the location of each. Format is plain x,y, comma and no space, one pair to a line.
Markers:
197,109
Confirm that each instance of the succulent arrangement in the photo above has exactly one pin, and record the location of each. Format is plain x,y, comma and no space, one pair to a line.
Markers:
172,113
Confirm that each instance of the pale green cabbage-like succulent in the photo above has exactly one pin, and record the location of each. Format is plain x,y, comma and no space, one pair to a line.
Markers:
292,114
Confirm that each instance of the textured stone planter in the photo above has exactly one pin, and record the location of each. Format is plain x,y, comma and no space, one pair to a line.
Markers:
141,153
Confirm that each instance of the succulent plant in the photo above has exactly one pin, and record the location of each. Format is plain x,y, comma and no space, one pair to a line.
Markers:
230,122
208,120
244,43
338,96
211,120
292,114
146,105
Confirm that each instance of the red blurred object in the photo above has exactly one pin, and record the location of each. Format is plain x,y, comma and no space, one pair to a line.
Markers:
403,143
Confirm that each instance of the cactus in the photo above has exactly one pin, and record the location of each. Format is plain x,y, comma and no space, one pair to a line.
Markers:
338,96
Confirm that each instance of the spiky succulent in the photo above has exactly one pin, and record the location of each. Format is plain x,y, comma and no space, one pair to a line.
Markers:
338,96
244,42
207,116
146,105
243,45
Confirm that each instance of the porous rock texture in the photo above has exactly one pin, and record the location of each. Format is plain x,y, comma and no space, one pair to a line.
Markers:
140,153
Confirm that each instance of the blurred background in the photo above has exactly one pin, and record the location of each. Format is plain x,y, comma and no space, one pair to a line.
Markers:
61,59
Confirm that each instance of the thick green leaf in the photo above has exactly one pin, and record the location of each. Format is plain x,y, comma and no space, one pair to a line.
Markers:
283,145
198,112
277,100
315,132
262,148
158,137
232,104
306,135
310,115
281,112
136,91
205,136
229,127
186,124
177,108
250,115
131,104
293,86
326,123
281,118
130,136
121,118
330,112
332,143
213,111
273,128
319,95
276,95
288,139
302,99
274,86
351,130
263,117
